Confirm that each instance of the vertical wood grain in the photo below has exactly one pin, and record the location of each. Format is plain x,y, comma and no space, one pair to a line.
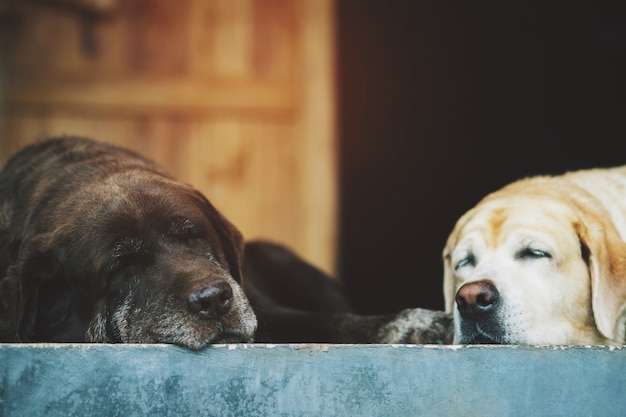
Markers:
262,151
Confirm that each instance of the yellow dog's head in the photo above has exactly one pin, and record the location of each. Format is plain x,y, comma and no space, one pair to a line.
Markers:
538,262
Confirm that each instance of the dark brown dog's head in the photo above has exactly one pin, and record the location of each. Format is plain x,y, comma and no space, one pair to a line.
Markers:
104,247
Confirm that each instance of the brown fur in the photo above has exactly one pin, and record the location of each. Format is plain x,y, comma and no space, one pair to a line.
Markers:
98,244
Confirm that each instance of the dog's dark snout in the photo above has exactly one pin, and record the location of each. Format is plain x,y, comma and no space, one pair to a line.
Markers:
211,300
477,299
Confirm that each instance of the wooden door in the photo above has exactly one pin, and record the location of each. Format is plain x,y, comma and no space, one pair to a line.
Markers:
235,97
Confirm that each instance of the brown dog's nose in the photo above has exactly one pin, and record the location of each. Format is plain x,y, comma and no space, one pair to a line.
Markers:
211,300
476,299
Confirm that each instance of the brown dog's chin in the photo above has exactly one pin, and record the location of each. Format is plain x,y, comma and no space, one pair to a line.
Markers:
232,338
198,342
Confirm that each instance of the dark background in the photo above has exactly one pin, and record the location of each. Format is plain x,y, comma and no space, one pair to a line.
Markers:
442,102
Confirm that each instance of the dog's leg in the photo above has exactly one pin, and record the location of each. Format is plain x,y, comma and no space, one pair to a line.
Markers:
410,326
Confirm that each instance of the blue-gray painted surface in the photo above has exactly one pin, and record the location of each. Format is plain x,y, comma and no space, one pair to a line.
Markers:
311,380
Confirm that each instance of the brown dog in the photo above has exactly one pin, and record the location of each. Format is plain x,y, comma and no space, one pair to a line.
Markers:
542,261
98,244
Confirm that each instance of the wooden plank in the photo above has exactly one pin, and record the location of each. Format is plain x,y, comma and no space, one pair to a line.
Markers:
311,380
97,7
318,133
144,95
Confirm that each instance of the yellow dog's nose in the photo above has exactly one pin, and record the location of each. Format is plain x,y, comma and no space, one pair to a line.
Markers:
476,299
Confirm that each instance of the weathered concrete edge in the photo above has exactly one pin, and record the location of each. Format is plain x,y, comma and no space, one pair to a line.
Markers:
311,379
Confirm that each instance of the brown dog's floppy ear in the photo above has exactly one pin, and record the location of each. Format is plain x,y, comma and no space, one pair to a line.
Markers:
232,244
44,293
606,254
230,238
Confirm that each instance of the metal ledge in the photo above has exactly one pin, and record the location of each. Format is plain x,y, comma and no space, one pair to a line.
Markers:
311,380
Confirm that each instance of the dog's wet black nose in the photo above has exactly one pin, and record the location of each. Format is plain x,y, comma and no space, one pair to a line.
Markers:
211,300
476,299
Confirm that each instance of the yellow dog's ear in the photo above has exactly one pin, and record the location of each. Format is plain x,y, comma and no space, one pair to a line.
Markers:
449,292
448,282
606,253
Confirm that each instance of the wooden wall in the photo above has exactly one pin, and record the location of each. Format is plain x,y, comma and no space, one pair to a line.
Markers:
233,96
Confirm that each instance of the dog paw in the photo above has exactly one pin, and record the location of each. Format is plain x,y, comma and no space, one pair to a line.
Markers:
418,326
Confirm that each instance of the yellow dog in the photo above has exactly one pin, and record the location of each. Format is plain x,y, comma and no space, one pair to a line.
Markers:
541,261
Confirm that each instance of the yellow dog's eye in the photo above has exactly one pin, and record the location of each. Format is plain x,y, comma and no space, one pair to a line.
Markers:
468,260
530,253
